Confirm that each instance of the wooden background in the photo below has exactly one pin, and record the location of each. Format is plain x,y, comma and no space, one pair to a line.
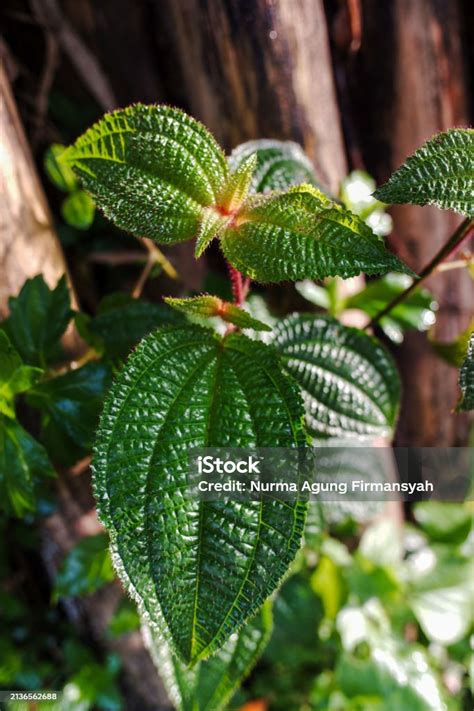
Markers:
359,83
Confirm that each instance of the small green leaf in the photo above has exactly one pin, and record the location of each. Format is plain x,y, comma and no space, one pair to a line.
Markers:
212,224
302,234
210,684
238,397
466,379
14,376
85,569
151,169
280,164
121,322
349,381
440,173
454,352
237,186
416,311
125,619
59,173
443,521
209,306
22,461
70,405
38,318
356,195
78,210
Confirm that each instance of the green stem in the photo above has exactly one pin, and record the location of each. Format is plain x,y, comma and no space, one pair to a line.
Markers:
451,245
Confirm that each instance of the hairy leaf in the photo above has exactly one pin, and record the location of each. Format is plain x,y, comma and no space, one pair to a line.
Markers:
237,186
70,405
416,311
302,234
454,352
207,305
197,569
151,169
440,173
85,569
59,173
210,684
22,461
280,164
14,376
38,318
466,378
349,381
78,210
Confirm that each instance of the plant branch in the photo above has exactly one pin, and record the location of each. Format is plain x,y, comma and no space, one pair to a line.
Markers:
155,256
446,250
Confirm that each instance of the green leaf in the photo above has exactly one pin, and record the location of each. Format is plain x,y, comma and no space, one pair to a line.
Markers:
78,210
302,234
356,195
94,686
443,521
22,461
210,684
280,164
440,173
121,322
151,169
466,379
61,175
237,185
349,381
14,376
125,619
38,318
441,598
417,311
454,352
85,569
211,226
198,569
209,306
70,405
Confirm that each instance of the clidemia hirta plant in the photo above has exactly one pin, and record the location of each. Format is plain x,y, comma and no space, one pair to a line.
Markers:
200,570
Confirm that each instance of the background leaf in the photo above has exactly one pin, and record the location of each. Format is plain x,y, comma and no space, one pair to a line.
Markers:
200,569
38,318
280,164
440,173
349,381
60,174
70,405
85,569
151,169
416,311
22,462
14,376
78,210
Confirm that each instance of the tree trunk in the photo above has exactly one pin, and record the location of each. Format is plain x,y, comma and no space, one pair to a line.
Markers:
28,242
413,104
258,70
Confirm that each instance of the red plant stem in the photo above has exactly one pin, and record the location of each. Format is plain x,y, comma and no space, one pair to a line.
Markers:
453,243
239,287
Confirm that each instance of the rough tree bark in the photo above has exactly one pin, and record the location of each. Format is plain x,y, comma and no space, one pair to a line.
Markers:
259,69
28,242
29,246
410,66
